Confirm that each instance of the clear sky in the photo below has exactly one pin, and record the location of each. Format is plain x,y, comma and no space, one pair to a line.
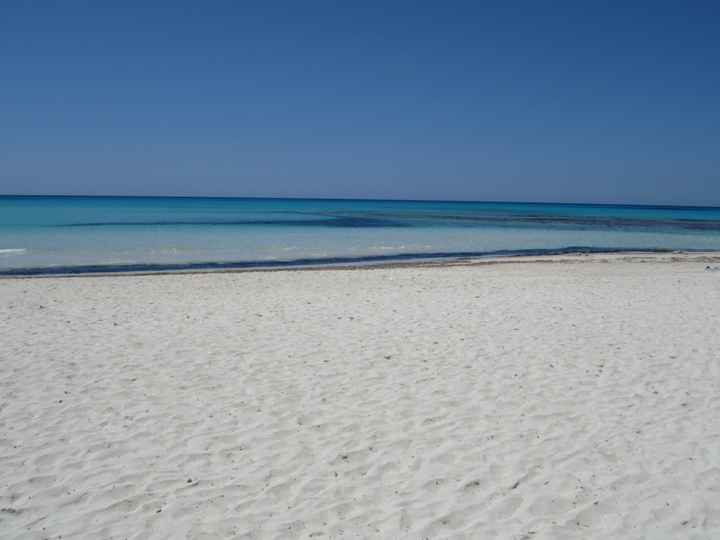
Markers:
533,101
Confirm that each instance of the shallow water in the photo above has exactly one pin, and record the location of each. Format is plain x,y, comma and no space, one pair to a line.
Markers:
75,234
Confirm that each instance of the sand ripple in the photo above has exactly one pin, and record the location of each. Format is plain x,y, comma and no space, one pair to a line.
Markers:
520,402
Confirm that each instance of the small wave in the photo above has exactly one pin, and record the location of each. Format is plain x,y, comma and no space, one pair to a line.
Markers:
13,251
321,259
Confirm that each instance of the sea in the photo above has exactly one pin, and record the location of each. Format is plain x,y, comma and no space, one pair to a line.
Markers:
74,235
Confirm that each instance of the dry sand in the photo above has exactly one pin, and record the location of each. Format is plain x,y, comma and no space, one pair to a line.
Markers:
518,401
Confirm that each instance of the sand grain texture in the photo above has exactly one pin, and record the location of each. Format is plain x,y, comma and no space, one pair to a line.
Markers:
514,401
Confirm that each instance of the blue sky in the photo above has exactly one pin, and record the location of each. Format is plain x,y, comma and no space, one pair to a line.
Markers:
567,102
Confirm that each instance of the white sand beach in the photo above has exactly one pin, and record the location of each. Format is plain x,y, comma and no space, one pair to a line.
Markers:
529,400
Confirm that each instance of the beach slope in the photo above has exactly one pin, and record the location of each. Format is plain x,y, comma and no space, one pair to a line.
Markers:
576,399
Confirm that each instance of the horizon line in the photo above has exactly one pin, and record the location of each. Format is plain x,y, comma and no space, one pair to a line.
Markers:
353,199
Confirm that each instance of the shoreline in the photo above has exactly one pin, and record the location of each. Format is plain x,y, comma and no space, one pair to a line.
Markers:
382,262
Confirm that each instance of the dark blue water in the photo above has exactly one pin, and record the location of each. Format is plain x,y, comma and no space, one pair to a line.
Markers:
83,234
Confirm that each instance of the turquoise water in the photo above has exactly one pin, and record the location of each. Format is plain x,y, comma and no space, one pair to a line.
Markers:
77,234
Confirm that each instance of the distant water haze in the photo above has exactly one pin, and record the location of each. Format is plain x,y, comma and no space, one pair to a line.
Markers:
75,234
